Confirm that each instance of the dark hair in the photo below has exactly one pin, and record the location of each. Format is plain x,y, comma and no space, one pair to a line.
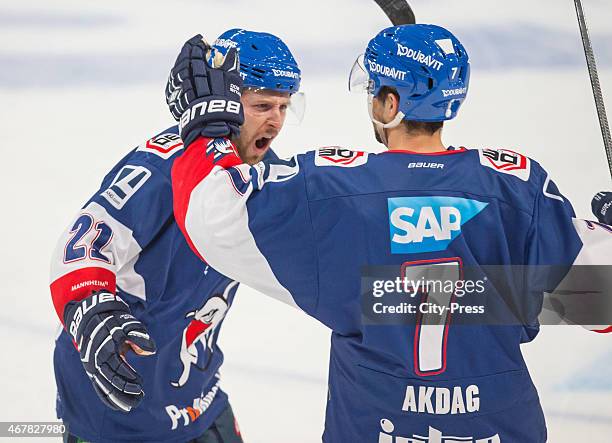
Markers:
411,126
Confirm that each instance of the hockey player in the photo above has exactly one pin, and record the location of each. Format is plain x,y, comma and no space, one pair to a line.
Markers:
152,294
316,230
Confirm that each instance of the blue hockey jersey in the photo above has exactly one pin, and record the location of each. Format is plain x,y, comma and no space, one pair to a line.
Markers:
125,239
311,230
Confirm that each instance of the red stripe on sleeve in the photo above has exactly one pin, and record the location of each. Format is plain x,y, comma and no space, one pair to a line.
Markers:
77,285
189,170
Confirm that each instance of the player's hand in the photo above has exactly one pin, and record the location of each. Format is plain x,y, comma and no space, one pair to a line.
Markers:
203,91
103,329
601,205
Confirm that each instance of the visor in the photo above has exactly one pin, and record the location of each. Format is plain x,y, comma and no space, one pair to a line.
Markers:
297,108
359,78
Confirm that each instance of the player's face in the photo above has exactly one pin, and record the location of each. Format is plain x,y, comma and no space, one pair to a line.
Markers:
264,116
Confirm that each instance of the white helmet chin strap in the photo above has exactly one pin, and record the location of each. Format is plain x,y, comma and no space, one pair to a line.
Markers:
380,126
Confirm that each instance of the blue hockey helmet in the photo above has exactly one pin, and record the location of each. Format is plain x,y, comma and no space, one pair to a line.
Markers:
426,64
265,60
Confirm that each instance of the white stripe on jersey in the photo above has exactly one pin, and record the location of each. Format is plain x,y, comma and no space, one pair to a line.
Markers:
230,247
122,250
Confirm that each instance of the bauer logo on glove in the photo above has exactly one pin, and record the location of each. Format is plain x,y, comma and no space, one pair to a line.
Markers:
104,329
204,107
203,91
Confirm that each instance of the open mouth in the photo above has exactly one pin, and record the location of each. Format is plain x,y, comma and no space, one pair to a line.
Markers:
263,143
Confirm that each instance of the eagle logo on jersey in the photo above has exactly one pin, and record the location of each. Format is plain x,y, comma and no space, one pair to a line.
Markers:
219,147
200,330
337,156
506,162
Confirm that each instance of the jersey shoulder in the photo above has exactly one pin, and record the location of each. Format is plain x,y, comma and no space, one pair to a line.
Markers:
512,173
141,175
159,151
338,156
505,163
332,171
511,167
503,174
332,159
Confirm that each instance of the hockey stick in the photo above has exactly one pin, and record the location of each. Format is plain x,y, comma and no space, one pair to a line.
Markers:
595,85
398,11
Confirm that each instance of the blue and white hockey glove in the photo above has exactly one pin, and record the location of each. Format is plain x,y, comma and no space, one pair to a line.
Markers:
203,92
103,329
601,205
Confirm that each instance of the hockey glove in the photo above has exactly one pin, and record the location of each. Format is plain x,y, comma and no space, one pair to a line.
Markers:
601,206
204,95
103,329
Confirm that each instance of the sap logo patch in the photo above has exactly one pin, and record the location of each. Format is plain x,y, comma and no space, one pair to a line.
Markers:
337,156
506,162
129,180
163,145
428,224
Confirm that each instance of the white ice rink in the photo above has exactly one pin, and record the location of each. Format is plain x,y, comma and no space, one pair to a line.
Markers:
81,83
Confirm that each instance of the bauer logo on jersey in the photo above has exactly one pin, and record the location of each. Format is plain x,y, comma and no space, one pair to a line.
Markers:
163,145
337,156
506,162
428,224
129,180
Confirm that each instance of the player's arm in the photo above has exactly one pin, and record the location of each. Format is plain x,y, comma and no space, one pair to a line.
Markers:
570,259
250,223
102,241
93,258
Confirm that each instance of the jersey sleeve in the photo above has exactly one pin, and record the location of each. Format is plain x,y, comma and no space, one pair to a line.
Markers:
553,239
251,223
100,246
569,259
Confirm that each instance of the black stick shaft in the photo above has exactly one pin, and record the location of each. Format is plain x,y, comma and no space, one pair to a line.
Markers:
398,11
595,85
